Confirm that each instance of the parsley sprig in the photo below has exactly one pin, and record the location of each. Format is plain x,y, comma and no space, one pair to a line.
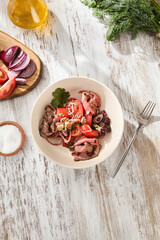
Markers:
60,97
127,15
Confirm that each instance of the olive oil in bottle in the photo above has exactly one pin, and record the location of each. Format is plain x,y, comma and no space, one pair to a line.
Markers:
27,13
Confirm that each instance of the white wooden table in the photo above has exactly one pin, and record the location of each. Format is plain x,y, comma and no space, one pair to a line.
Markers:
43,201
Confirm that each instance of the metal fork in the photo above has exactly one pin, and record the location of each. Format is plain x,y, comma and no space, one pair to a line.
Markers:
143,119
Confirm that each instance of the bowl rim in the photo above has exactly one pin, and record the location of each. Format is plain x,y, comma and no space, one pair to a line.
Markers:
103,85
22,137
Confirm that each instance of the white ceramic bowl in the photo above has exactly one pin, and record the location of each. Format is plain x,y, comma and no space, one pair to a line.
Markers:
109,102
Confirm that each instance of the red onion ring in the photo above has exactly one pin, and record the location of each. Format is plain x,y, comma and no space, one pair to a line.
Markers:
20,81
29,70
66,140
18,60
23,65
9,54
13,74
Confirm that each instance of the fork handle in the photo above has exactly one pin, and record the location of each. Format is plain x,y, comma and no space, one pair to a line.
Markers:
126,151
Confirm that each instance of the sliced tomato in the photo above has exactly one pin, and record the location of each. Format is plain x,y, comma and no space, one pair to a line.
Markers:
3,75
89,119
76,131
62,112
88,132
7,88
75,108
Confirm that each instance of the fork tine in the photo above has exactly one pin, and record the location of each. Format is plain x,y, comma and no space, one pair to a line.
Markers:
145,107
147,111
151,110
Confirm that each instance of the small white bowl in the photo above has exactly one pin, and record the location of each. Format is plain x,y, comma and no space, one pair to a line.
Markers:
22,137
109,102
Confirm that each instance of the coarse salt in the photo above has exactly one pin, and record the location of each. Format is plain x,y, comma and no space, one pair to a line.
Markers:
10,138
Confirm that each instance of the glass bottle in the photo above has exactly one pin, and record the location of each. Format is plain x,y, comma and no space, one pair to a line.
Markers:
27,13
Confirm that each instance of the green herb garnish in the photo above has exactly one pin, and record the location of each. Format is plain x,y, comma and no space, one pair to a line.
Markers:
70,144
60,97
61,114
127,15
97,127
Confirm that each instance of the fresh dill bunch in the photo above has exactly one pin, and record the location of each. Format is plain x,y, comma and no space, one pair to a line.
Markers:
127,15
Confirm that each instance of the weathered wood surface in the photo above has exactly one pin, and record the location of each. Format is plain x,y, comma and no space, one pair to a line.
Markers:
41,200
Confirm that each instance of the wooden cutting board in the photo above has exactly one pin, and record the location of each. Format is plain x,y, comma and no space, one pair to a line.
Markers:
8,41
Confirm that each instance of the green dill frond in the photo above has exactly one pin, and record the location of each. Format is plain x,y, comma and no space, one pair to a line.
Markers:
127,16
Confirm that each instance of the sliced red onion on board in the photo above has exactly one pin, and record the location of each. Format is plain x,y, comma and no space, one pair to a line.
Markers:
23,65
19,63
20,81
18,60
13,74
29,70
7,55
21,53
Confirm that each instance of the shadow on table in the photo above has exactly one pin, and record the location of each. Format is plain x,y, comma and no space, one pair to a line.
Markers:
141,147
125,46
62,47
46,28
44,80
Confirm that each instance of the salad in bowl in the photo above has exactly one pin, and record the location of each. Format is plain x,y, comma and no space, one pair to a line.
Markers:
77,122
